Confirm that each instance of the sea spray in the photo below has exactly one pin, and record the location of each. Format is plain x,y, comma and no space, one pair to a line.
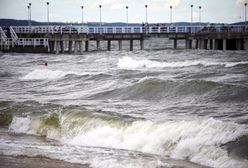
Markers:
132,63
45,73
178,139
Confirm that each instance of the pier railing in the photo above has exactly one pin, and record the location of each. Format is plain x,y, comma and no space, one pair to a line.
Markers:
127,30
3,35
13,34
34,42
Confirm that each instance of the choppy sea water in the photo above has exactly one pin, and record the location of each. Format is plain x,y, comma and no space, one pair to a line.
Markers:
152,108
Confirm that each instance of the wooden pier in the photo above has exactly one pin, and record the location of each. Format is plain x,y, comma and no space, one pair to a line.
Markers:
76,39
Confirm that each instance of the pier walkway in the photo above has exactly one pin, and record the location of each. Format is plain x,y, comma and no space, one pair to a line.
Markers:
60,39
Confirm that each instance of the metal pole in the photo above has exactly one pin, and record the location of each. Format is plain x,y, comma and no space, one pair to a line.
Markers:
127,15
30,24
100,7
28,16
48,13
82,7
146,13
191,19
245,14
191,13
171,15
200,14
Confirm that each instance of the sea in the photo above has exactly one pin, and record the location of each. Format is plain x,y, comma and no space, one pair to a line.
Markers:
149,108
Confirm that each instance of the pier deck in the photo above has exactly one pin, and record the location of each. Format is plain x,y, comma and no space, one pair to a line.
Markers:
60,39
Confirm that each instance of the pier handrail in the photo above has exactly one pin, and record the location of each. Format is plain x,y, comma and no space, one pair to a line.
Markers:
3,35
32,42
104,29
151,29
27,42
13,34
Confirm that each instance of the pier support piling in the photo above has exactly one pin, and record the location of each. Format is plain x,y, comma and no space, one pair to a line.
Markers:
97,44
202,44
197,44
224,44
142,44
205,44
70,47
57,47
238,44
52,46
80,47
175,43
208,44
75,47
131,45
213,44
86,45
109,45
120,44
188,44
62,46
246,44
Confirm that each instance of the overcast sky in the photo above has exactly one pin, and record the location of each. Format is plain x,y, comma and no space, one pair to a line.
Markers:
226,11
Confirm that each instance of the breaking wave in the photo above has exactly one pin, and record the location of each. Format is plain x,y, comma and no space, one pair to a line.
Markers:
197,140
41,74
132,64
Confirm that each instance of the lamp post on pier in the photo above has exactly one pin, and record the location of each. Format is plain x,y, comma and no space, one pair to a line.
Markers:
245,14
191,13
200,13
48,13
28,16
82,7
127,15
100,8
146,13
29,8
191,17
171,15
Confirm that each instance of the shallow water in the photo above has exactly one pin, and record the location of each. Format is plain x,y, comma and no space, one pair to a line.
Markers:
127,109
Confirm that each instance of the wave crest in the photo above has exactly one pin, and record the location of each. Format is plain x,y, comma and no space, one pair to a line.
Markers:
177,139
132,64
42,74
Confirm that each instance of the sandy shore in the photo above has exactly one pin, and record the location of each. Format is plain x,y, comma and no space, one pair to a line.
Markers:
35,162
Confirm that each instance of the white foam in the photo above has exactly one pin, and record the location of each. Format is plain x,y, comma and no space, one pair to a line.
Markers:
232,64
130,63
195,140
41,74
21,125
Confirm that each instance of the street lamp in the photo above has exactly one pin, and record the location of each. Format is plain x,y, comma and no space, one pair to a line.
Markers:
100,7
29,23
47,13
200,13
245,14
191,13
28,16
127,15
82,7
171,15
146,13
